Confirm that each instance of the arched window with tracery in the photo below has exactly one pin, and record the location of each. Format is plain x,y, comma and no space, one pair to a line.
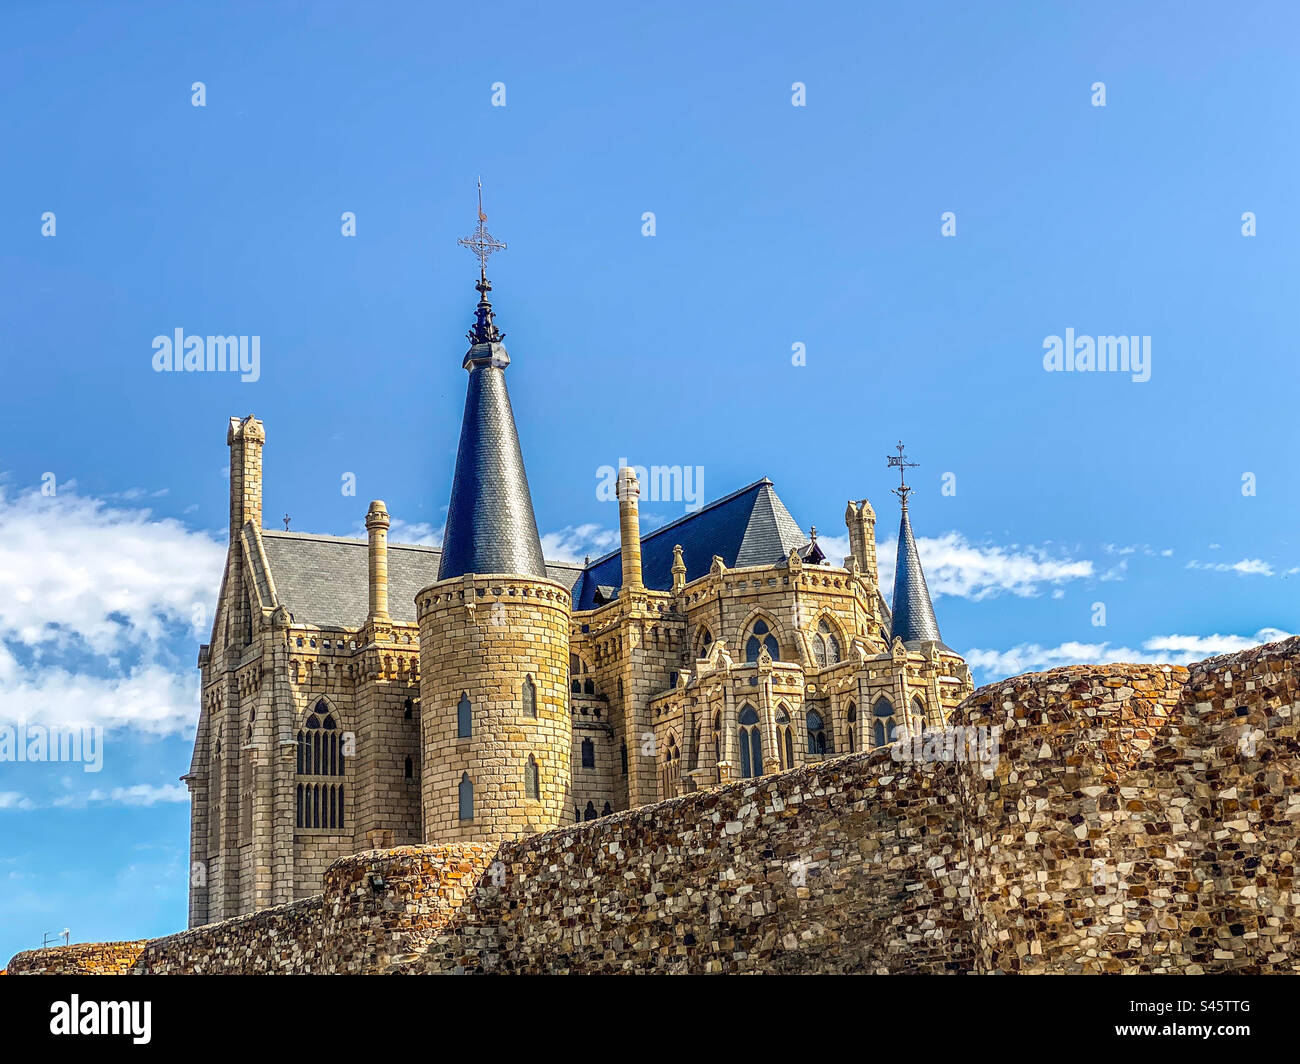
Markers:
532,779
751,743
319,794
826,645
761,636
465,797
882,723
852,717
816,733
784,738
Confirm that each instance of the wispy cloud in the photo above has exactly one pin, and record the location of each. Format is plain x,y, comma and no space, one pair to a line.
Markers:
140,794
1245,567
574,542
1163,649
957,567
15,800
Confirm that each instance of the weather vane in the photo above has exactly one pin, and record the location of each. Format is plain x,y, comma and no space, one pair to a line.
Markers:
482,243
900,462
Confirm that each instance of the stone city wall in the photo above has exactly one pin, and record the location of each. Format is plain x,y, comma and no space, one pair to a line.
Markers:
1135,818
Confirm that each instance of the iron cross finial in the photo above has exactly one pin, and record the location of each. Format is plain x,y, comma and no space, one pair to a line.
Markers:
900,462
286,522
481,242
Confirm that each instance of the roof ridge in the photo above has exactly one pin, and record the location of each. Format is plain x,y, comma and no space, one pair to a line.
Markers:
686,517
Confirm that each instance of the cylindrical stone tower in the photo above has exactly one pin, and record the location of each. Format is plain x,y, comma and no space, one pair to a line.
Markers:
495,727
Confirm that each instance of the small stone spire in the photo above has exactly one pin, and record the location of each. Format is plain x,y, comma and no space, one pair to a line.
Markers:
679,569
913,613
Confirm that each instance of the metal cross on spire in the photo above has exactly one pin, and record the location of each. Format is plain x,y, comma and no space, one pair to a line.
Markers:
900,462
481,242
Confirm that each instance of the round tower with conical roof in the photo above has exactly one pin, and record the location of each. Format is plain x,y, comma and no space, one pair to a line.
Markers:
496,731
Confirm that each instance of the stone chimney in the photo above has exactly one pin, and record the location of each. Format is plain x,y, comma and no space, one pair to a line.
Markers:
861,521
377,523
245,438
629,526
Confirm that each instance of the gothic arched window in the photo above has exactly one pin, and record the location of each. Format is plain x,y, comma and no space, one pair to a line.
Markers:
882,724
703,641
408,709
853,727
751,743
761,636
464,717
529,697
588,754
465,796
784,738
319,798
622,754
532,779
825,644
917,724
816,733
590,812
669,769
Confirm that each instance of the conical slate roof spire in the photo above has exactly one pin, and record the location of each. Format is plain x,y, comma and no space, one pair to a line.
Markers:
491,527
913,613
912,610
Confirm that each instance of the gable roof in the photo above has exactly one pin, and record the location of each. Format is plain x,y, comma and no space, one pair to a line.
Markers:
748,527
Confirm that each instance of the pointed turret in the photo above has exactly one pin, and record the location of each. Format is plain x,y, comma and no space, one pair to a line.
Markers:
913,613
912,610
491,527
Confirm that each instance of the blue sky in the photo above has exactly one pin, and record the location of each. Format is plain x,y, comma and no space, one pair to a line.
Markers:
775,225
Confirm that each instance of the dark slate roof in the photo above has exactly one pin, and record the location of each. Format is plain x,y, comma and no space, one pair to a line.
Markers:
748,527
913,615
491,527
323,580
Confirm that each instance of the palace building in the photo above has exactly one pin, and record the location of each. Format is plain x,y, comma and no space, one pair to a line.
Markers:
358,694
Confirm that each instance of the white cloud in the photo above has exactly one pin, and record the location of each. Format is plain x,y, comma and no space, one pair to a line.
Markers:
14,800
419,532
74,568
955,566
1245,567
573,542
140,794
1162,649
86,586
148,698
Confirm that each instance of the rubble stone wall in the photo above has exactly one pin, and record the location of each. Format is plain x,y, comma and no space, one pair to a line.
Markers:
1136,818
